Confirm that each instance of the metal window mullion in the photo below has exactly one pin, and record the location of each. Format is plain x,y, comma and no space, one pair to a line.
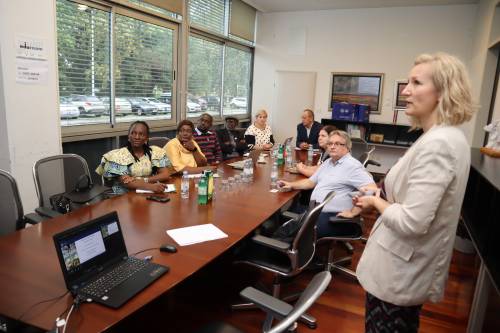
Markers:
223,71
112,68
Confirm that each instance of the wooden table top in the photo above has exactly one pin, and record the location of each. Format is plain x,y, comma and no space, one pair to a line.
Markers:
30,272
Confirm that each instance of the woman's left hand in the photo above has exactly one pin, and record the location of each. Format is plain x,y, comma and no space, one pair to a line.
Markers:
364,202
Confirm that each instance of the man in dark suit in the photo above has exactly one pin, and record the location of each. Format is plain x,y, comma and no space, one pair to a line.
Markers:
231,140
308,131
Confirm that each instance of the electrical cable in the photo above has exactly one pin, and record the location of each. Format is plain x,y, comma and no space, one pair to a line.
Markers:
41,302
141,251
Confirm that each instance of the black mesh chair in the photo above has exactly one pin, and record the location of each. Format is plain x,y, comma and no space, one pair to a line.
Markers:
159,141
345,230
277,309
285,259
366,158
57,174
11,208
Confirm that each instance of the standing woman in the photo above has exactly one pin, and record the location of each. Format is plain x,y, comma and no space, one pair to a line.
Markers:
406,260
136,166
259,135
324,133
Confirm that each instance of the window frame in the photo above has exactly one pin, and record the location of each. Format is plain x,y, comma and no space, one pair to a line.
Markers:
111,127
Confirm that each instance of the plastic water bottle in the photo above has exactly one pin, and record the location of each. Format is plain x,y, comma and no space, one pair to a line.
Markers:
249,163
185,185
280,155
274,176
203,191
310,153
289,157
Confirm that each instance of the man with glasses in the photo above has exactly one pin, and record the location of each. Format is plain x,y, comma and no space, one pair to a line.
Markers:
341,173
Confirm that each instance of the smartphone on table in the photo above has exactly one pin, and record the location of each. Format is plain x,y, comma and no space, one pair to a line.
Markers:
157,198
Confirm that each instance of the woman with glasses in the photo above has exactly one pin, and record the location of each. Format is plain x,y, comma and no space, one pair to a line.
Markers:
308,170
136,166
406,259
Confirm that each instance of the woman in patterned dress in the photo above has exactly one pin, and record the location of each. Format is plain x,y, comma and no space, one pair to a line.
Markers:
259,135
136,166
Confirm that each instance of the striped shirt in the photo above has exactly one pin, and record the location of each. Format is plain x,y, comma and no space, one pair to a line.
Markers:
209,145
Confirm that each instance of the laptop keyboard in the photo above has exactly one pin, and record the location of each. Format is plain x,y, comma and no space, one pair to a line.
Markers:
114,277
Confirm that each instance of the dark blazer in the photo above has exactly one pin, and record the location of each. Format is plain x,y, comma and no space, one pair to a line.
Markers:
227,148
313,135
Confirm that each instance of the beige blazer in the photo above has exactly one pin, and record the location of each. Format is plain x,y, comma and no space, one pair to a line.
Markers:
407,256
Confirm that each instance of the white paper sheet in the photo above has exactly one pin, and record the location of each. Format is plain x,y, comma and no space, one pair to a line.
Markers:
169,188
196,234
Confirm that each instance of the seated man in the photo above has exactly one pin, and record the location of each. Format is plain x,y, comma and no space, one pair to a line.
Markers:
308,131
341,173
232,142
207,140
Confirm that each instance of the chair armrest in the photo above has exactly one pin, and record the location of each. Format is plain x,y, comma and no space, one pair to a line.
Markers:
47,212
340,219
34,218
373,162
266,302
291,215
271,242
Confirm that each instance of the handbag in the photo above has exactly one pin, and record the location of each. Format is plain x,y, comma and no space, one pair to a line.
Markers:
84,193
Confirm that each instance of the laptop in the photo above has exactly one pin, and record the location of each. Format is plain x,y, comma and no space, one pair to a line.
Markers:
253,154
95,263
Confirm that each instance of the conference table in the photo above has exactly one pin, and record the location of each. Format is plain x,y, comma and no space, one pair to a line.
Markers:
30,272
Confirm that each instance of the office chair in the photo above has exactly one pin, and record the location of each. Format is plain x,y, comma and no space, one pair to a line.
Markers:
11,208
54,175
287,141
159,141
365,158
285,259
275,308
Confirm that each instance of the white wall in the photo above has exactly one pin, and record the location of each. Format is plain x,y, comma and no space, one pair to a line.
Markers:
384,40
31,129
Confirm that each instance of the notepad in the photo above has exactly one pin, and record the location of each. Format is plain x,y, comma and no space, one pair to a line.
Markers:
168,189
196,234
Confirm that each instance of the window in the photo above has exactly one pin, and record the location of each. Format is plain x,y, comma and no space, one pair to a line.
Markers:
237,73
83,59
143,77
208,15
204,77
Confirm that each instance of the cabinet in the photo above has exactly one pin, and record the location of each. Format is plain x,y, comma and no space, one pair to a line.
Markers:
395,140
390,134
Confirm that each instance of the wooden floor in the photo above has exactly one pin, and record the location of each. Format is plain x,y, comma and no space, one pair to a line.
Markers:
206,297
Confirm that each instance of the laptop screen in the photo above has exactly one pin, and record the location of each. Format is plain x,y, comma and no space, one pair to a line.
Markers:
89,248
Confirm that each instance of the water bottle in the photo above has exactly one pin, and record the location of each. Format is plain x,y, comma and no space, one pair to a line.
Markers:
274,176
289,157
250,170
203,191
310,154
185,185
280,155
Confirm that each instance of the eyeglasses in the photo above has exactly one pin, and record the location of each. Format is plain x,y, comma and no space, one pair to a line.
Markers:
336,144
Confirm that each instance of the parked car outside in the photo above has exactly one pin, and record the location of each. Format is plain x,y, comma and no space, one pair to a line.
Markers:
122,106
213,102
141,107
193,107
162,107
203,103
238,102
88,105
67,110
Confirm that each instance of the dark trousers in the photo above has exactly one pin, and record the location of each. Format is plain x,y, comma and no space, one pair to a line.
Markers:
384,317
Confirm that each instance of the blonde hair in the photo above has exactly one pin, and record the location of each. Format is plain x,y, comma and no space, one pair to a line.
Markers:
343,135
261,111
451,81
